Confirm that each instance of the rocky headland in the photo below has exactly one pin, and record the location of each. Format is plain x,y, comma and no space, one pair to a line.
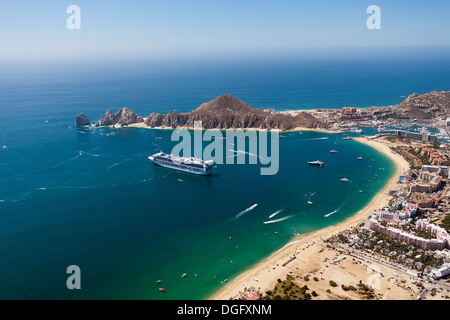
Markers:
422,106
224,112
228,112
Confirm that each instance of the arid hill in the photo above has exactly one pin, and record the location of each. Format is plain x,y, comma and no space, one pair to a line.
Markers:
426,105
227,112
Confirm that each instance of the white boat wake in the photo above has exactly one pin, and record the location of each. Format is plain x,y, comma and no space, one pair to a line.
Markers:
331,213
321,138
240,214
275,213
277,220
245,152
337,210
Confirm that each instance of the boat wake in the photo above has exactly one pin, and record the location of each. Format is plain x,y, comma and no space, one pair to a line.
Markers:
245,152
277,220
337,210
240,214
331,213
275,213
321,138
89,154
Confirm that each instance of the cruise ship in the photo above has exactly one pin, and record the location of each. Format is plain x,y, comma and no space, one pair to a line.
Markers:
191,164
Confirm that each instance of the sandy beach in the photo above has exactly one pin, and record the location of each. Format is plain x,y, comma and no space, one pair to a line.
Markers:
312,257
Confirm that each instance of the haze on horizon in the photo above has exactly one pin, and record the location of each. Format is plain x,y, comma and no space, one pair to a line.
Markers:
178,29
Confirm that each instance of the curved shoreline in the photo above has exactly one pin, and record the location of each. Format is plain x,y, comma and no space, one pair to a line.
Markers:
267,274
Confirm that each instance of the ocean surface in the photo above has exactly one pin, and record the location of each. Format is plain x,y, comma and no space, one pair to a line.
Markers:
90,197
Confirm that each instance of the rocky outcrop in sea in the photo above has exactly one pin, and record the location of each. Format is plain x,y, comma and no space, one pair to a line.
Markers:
82,120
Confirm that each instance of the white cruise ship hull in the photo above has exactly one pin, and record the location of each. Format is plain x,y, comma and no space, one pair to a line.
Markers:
181,167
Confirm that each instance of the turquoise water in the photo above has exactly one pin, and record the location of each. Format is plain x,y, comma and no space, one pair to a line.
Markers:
90,197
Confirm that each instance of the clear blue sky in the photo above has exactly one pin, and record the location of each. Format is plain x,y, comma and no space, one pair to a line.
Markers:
33,30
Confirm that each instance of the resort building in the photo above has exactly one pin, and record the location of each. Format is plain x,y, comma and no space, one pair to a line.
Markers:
407,211
427,244
421,187
447,122
438,232
442,271
439,170
416,135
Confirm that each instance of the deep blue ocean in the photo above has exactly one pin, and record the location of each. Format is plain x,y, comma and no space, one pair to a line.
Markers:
90,197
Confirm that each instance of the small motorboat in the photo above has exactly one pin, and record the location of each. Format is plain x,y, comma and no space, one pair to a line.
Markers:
159,281
183,275
360,158
162,290
310,202
345,180
317,163
333,151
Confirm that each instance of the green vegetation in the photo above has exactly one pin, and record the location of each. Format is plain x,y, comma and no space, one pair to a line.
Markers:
288,290
446,223
425,160
348,288
333,284
364,291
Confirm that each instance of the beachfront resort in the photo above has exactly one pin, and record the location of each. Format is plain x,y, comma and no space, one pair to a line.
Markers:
397,248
